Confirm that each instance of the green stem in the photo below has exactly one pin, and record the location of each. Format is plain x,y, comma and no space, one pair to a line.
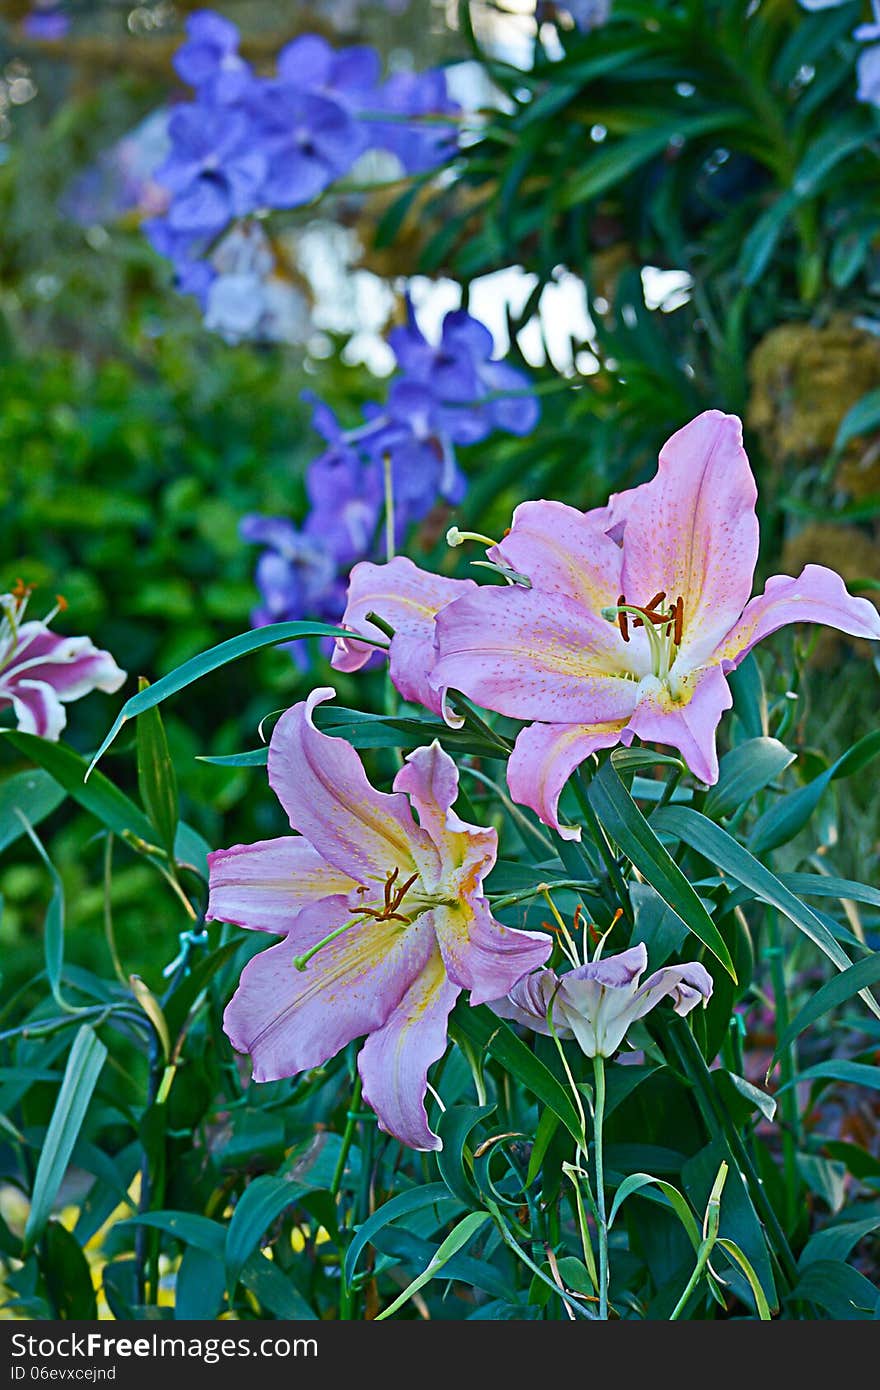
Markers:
347,1137
788,1069
615,876
598,1123
703,1254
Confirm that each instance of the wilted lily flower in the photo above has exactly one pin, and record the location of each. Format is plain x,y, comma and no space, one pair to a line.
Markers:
635,616
383,918
41,672
596,1003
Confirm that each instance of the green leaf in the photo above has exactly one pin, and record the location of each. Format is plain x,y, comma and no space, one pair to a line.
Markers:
599,172
637,1181
99,795
838,1241
157,780
53,926
274,1290
453,1127
627,826
733,1252
84,1064
485,1032
855,1073
198,1231
199,1286
458,1237
404,1204
833,993
35,793
68,1276
263,1199
211,660
862,418
720,848
838,1288
783,821
743,772
828,886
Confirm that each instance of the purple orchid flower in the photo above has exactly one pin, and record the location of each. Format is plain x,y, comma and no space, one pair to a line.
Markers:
209,59
473,393
407,598
635,616
309,141
597,1002
214,171
420,144
41,672
383,921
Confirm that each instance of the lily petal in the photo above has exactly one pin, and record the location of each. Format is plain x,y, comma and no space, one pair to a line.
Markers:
481,954
265,885
528,1002
689,985
73,666
688,722
544,757
564,551
36,706
290,1020
818,595
466,852
321,783
692,531
408,599
533,655
394,1061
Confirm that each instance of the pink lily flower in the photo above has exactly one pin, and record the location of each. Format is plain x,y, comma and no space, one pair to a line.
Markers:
382,915
408,599
636,614
41,671
596,1002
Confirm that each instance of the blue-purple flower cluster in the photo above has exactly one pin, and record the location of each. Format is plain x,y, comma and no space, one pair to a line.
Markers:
248,143
372,483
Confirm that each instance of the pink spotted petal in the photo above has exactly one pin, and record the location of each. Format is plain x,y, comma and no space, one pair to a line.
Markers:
818,595
408,599
290,1020
481,954
321,783
36,707
688,723
533,655
692,531
265,885
466,852
564,551
394,1061
544,757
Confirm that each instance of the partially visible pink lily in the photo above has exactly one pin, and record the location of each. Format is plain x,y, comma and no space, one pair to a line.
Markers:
637,613
383,918
407,599
41,671
597,1002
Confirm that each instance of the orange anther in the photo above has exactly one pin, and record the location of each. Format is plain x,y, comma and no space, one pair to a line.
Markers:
623,620
62,603
679,620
